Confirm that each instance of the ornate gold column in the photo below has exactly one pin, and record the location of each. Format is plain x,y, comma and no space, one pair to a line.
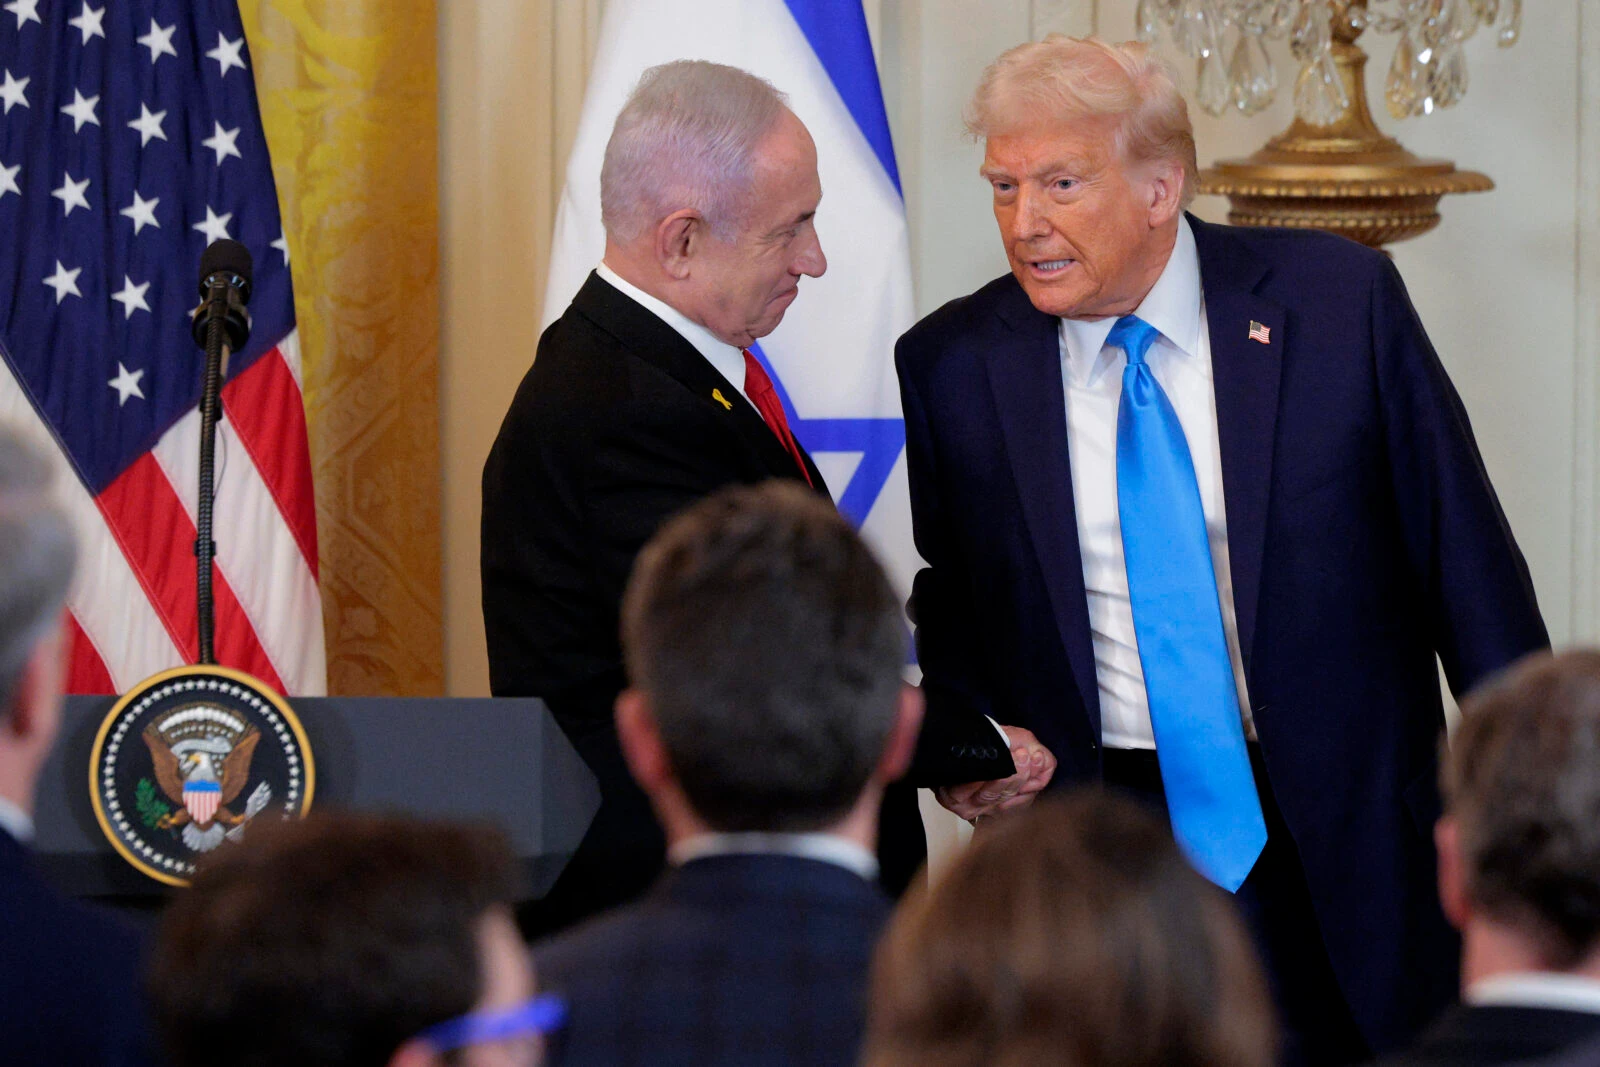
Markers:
349,97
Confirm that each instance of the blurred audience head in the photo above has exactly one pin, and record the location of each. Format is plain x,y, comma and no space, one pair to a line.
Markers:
38,552
349,940
764,646
1072,933
1519,844
708,191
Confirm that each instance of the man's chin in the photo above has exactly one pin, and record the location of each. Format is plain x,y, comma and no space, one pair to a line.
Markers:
1056,299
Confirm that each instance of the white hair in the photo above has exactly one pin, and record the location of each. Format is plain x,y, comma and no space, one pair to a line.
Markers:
686,138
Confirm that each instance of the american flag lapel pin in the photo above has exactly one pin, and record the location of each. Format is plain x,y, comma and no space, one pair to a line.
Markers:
1260,333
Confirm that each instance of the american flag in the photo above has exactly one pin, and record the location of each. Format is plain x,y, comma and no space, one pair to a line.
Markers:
129,140
1260,333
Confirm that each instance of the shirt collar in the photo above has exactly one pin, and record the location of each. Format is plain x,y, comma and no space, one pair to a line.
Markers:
1172,306
1536,989
15,821
829,848
728,361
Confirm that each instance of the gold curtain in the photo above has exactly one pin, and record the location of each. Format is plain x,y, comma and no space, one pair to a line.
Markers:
348,92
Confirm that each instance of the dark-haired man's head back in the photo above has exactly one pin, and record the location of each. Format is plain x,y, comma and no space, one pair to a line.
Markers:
1519,862
343,940
765,715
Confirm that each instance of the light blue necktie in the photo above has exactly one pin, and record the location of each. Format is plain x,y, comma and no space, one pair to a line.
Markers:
1188,678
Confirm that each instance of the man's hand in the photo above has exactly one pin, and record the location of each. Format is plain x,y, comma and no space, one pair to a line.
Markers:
1035,767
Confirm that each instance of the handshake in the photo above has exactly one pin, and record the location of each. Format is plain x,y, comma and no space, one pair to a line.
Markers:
1035,767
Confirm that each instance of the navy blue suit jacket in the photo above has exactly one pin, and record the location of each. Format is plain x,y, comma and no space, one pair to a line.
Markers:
1364,537
729,960
69,977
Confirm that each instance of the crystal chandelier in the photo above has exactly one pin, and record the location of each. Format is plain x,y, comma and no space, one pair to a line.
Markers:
1332,169
1429,69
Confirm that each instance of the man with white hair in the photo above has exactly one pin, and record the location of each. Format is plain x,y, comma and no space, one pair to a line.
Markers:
643,399
1200,508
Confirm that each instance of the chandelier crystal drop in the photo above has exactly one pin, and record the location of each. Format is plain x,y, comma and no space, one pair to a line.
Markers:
1227,39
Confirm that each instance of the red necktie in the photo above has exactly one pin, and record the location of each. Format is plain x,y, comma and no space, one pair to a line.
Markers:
758,387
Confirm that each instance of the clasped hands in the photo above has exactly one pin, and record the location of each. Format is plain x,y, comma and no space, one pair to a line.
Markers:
1035,767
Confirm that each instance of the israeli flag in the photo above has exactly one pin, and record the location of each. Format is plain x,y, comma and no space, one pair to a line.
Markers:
832,359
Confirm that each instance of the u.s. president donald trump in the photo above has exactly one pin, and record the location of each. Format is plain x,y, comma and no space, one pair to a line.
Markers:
1200,507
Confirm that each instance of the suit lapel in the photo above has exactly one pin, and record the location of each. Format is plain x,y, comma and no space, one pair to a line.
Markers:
1246,375
1024,368
652,340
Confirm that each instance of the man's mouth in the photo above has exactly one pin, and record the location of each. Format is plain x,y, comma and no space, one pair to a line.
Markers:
1049,268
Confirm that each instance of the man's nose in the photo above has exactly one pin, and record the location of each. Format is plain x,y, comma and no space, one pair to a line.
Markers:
812,262
1028,221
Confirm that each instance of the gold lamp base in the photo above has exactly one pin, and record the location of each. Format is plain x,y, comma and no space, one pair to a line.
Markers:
1347,177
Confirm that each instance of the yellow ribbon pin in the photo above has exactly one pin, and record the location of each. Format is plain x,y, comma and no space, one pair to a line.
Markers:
716,394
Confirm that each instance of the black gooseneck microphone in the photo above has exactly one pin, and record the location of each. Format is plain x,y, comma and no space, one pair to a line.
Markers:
221,326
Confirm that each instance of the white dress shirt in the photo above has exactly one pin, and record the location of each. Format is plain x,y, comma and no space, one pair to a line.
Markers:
1180,359
1536,989
829,848
15,821
728,361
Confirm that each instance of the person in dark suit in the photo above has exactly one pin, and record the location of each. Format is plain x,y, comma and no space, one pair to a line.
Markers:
767,715
644,398
69,974
1200,507
1519,868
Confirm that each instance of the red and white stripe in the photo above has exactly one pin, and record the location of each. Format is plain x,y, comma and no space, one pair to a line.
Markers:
133,603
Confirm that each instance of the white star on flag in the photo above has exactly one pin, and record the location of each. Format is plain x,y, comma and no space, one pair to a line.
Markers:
126,383
25,10
142,212
159,41
216,226
132,297
149,125
82,110
222,143
71,194
8,179
11,92
64,282
282,245
90,21
227,54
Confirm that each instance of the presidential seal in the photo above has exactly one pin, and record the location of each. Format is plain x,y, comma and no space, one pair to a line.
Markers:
188,759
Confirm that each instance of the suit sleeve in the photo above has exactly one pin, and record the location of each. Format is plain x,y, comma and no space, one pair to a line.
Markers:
1481,604
958,742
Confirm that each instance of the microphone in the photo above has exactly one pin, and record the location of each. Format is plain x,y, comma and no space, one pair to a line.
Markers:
220,325
225,270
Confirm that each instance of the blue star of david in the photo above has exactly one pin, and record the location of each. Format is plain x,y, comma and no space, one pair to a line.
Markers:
879,441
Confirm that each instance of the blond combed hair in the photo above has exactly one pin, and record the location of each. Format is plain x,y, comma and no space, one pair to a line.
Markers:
1063,78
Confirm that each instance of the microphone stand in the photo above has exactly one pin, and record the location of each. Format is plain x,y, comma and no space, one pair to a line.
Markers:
205,549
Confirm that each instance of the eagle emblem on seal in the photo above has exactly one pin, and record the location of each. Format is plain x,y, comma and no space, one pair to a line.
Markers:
201,755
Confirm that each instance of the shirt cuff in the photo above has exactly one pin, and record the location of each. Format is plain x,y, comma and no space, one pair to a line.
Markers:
1001,731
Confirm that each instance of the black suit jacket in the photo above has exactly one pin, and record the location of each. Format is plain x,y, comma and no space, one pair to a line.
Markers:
730,960
1364,539
69,977
613,430
1484,1036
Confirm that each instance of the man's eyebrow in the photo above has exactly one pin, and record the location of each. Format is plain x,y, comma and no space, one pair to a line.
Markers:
1068,164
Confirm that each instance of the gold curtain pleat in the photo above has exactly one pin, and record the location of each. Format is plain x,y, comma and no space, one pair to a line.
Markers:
348,92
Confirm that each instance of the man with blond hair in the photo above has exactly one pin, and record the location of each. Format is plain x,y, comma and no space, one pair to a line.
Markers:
1200,508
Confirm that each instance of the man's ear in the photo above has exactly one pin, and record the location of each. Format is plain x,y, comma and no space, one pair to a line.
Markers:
678,237
641,740
1165,186
902,742
35,710
1453,895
